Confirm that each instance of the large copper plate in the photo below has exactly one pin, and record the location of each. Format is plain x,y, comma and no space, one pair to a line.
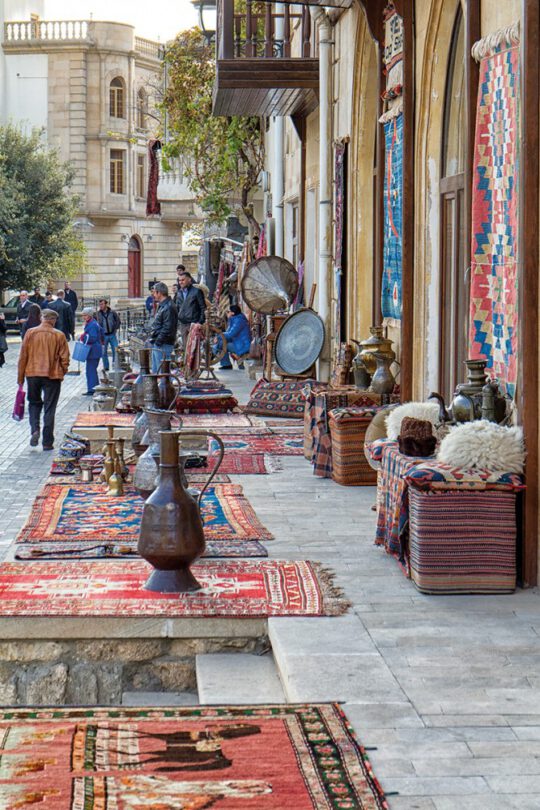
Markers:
299,342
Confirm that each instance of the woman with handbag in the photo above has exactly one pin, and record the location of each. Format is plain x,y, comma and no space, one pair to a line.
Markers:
92,337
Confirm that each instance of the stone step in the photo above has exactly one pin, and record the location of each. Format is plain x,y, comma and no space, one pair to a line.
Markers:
330,659
237,679
159,699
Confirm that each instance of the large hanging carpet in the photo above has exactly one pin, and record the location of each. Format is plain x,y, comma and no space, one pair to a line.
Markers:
115,551
304,757
68,514
240,588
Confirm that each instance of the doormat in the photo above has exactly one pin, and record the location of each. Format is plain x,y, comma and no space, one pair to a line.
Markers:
304,757
239,588
69,514
112,551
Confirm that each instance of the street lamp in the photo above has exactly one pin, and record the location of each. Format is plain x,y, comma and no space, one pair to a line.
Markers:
207,12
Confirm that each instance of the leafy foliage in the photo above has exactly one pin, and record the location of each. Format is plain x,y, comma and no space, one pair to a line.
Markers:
37,240
223,157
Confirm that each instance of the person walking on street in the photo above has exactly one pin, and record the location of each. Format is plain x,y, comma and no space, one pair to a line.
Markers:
164,328
33,320
150,303
48,300
191,305
37,297
43,361
3,340
66,318
93,336
110,322
71,297
23,307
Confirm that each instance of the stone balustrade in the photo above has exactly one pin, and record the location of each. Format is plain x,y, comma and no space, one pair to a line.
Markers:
46,31
149,48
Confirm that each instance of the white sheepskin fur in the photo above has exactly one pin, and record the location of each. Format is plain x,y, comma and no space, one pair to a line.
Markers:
484,445
428,411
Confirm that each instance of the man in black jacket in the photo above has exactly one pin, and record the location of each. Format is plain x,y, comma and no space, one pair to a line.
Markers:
191,305
163,335
37,297
66,319
23,307
71,297
109,320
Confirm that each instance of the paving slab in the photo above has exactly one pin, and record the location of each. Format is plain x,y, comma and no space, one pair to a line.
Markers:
238,679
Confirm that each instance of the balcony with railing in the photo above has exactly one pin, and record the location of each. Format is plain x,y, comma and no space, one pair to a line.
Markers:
266,62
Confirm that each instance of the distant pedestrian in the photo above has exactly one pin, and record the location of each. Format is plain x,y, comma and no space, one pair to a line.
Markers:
66,318
163,335
33,320
48,300
43,361
190,304
71,297
238,337
23,307
3,340
110,322
37,297
150,303
93,336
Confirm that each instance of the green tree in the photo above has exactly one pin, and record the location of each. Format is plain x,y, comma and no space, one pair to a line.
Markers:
223,157
37,240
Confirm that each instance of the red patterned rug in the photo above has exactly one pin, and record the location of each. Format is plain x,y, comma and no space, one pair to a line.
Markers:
303,757
241,588
202,420
103,418
70,514
244,464
273,445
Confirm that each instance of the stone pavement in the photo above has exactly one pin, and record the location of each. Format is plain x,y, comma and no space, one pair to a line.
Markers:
444,691
23,468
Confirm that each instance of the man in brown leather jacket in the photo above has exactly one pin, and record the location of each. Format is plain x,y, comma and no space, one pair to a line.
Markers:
44,361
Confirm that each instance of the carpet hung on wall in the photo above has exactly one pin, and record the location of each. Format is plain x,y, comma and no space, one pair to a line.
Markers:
239,588
304,757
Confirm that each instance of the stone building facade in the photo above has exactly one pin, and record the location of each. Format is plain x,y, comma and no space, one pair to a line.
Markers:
101,89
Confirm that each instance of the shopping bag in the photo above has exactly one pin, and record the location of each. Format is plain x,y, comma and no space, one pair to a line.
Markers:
81,352
18,408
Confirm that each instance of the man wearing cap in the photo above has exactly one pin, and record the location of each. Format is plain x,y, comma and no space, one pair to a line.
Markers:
43,361
48,300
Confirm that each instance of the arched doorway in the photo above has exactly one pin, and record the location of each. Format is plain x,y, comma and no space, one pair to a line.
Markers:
453,251
134,268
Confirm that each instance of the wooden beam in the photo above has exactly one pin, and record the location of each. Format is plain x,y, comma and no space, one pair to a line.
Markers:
407,317
374,16
473,33
528,283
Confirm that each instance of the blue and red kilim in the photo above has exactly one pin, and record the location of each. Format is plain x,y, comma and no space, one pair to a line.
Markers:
393,219
493,302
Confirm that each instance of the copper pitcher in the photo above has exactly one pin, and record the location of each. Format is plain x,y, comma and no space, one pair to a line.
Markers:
137,399
157,420
171,535
168,386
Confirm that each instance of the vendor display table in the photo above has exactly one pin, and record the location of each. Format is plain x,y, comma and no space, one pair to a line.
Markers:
453,530
318,447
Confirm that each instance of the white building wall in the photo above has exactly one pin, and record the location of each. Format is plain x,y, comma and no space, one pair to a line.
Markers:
23,79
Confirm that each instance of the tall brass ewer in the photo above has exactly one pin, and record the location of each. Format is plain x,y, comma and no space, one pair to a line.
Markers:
171,535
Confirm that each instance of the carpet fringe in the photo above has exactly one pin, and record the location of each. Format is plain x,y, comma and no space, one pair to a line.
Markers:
508,37
273,463
334,601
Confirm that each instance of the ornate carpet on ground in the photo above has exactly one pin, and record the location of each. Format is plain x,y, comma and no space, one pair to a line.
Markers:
240,588
244,464
278,398
194,479
112,551
304,757
64,513
495,202
207,420
277,445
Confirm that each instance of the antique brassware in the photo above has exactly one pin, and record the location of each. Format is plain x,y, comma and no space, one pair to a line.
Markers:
158,420
382,381
109,464
171,536
377,342
137,398
168,386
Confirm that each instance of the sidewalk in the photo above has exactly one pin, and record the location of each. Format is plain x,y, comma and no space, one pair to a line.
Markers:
445,689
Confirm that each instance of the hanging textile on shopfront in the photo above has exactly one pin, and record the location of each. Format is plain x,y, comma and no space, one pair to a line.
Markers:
339,218
393,53
393,219
495,193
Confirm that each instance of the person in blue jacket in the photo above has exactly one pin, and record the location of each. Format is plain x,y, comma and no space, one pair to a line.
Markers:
93,335
238,336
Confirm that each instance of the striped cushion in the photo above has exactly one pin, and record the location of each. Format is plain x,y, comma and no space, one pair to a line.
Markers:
462,542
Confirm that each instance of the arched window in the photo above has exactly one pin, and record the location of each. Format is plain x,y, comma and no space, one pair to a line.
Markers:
117,98
453,251
141,109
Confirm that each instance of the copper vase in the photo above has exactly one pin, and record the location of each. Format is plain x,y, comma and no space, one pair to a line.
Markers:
137,399
171,535
377,342
145,472
166,386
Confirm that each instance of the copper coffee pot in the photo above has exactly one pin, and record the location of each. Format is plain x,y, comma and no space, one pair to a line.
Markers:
171,536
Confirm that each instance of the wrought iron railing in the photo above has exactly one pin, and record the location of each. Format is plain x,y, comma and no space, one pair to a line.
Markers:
254,35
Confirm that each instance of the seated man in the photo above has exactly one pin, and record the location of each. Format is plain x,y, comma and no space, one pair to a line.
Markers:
238,336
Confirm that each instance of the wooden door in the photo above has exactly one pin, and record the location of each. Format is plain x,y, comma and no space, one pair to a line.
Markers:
134,268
